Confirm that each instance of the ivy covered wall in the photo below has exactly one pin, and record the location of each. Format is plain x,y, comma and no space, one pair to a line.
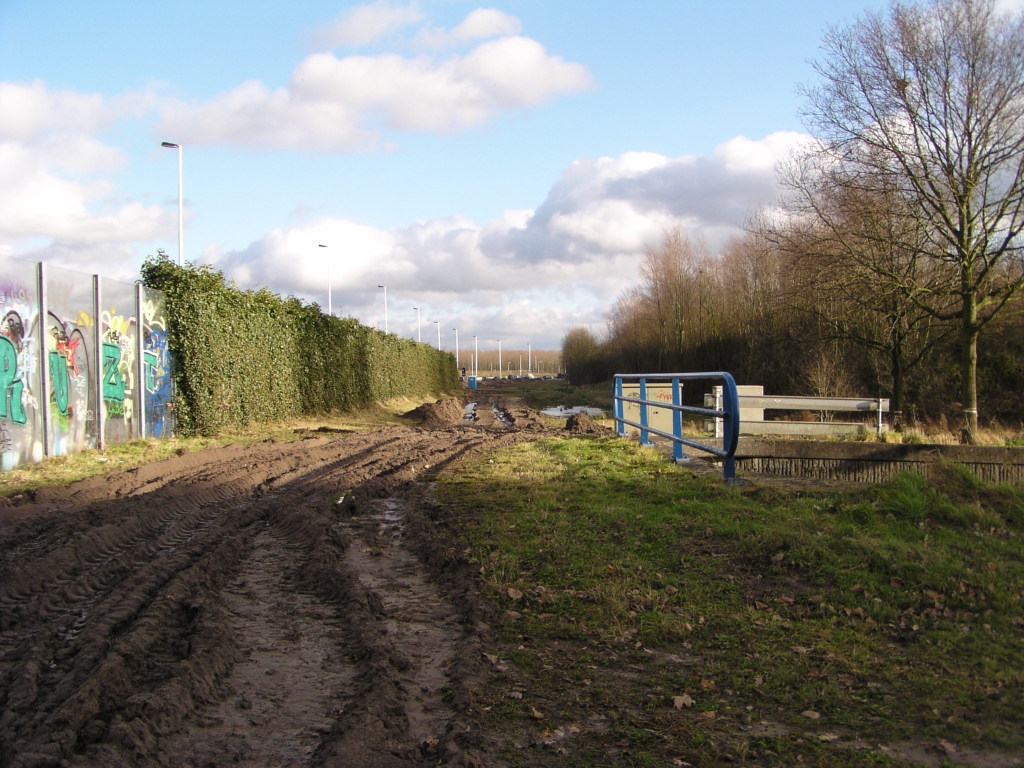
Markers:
251,356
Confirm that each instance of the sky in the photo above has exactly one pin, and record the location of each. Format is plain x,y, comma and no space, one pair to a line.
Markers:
501,167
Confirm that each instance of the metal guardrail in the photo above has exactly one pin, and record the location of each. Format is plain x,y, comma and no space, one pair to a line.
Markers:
729,413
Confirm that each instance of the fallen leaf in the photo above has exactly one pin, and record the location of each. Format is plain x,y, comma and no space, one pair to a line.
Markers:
491,658
682,701
829,737
787,600
707,684
681,763
688,627
516,695
801,650
535,714
584,682
670,590
758,681
760,606
811,714
707,715
515,594
947,746
778,558
611,570
895,581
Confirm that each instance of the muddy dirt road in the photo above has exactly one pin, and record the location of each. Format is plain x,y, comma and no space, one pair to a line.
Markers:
280,604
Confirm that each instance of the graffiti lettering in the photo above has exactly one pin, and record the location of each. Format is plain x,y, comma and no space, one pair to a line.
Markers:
149,359
113,381
61,382
11,386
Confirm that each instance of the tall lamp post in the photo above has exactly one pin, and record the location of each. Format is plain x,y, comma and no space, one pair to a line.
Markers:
456,349
529,358
329,309
385,307
181,228
476,356
438,324
418,336
499,358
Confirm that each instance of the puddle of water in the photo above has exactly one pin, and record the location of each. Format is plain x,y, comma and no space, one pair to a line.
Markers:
501,415
390,520
561,412
470,412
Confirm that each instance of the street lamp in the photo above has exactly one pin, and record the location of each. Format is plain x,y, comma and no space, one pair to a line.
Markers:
181,228
529,358
385,307
499,358
329,312
456,348
476,356
438,324
418,336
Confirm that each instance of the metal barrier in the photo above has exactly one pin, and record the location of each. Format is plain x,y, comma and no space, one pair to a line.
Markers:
729,413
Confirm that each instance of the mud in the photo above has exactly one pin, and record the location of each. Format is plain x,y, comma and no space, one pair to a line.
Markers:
284,603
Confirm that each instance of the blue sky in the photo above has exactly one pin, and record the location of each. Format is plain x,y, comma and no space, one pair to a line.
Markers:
500,166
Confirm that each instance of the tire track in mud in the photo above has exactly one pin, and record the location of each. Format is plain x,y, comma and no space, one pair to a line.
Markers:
138,611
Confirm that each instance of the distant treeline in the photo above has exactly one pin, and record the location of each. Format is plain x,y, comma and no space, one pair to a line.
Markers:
242,357
794,322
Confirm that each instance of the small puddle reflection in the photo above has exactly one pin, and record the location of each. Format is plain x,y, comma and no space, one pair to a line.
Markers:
561,412
390,520
470,412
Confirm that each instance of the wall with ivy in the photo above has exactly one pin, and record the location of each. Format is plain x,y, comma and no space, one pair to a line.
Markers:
251,356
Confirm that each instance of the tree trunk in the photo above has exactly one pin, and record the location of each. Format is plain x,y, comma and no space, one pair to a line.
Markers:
969,370
898,385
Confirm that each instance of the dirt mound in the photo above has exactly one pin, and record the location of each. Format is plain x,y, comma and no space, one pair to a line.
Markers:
443,413
582,424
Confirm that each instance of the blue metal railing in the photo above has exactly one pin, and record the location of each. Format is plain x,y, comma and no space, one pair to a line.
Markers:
730,415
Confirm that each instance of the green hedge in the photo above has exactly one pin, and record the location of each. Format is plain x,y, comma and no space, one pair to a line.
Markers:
250,356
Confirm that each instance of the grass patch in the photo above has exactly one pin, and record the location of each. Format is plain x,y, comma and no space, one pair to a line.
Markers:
894,613
538,394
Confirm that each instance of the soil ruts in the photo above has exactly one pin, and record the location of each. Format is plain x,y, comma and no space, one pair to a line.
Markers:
283,603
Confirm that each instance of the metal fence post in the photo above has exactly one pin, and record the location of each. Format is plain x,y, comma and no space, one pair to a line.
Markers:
619,408
140,363
101,416
731,432
677,424
644,436
44,362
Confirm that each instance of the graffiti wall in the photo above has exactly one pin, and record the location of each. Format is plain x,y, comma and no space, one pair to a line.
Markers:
156,366
20,417
71,361
105,377
118,360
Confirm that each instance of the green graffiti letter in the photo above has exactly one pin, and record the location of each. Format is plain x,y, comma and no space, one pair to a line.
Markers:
113,381
59,377
11,385
149,361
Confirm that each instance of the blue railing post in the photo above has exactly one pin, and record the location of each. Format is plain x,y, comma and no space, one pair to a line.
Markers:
677,423
731,427
644,438
618,407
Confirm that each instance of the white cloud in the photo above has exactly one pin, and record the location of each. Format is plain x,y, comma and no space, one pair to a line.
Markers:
365,24
336,104
525,275
481,24
56,200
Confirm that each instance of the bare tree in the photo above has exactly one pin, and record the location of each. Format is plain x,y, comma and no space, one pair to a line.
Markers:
927,100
